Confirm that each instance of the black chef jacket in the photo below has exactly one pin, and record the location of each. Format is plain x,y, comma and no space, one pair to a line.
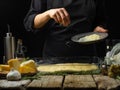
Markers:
84,15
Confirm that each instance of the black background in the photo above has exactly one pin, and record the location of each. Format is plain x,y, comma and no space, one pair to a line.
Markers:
12,12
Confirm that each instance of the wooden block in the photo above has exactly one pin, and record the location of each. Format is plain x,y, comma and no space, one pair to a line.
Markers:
13,85
105,82
46,83
79,82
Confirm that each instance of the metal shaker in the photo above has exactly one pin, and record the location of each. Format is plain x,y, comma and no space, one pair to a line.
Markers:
9,46
20,50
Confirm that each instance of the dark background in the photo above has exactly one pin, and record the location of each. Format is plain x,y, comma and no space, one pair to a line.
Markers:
12,12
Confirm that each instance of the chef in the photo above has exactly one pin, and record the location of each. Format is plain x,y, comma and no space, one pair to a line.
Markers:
62,19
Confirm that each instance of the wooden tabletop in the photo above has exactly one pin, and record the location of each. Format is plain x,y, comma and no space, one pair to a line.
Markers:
67,82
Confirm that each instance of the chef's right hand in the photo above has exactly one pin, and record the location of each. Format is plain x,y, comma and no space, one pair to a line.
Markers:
60,15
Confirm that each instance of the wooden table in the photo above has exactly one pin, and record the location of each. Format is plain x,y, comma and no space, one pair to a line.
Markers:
67,82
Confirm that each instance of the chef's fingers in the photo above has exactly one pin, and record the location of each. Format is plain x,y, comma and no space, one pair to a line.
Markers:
53,13
100,29
58,17
55,18
65,17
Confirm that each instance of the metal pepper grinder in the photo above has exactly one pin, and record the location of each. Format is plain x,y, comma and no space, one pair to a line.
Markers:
9,46
20,50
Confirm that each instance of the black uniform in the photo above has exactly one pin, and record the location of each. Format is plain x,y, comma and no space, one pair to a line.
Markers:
84,15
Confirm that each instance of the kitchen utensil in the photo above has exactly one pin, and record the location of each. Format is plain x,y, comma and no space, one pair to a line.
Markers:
77,37
9,46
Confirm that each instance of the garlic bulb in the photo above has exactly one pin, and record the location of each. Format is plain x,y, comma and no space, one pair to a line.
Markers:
13,75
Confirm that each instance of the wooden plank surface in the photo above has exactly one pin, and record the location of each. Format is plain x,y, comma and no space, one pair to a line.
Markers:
69,82
12,85
46,82
79,82
106,83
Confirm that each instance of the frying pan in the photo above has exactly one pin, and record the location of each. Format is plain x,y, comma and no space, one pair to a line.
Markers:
77,37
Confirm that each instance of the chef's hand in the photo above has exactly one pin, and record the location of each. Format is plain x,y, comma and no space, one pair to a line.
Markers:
100,29
60,15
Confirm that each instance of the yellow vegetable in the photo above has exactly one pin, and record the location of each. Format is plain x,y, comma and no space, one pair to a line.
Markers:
4,67
14,63
29,63
28,67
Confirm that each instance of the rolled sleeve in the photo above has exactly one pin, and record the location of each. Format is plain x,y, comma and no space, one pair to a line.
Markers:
37,6
29,22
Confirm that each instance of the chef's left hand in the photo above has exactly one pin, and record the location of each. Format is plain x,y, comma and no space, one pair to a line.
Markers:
100,29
